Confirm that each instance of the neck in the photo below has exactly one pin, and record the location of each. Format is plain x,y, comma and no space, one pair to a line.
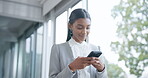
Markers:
78,41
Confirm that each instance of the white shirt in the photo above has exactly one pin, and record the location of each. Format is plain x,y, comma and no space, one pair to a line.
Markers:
81,50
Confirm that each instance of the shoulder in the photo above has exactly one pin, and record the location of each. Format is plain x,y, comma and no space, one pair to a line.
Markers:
57,48
61,45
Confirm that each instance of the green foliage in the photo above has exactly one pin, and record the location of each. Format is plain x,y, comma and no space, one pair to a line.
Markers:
133,34
114,71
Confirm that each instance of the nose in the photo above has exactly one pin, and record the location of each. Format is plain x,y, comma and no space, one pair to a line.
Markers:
84,31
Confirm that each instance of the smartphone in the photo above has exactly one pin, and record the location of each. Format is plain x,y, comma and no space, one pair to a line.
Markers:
94,54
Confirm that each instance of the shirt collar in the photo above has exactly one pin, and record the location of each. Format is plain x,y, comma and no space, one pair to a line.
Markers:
72,42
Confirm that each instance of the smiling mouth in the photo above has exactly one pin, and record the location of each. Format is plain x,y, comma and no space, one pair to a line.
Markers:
83,36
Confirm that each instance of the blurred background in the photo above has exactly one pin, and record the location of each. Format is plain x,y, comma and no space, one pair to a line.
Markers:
29,28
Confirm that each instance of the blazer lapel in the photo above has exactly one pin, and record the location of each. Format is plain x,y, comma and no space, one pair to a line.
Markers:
69,51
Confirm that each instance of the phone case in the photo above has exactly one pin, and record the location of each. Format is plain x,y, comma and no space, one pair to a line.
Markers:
95,54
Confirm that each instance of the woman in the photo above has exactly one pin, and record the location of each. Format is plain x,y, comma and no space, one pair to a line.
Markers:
69,59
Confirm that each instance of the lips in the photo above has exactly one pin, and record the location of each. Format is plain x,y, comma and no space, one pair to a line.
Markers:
83,36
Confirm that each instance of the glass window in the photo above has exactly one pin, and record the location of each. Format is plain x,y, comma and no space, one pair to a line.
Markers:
39,40
61,28
49,43
39,49
78,5
49,28
28,59
32,53
21,62
1,65
28,45
15,59
7,60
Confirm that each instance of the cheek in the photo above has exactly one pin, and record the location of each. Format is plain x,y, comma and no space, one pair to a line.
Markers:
76,32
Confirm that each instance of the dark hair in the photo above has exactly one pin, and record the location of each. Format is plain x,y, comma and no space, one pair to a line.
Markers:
76,14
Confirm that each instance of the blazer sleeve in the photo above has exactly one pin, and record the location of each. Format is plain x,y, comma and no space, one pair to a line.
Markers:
55,70
97,74
102,74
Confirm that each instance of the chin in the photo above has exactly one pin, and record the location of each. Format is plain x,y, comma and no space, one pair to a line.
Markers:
82,39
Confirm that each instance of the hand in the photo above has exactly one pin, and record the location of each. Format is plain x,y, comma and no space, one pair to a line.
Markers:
80,63
98,64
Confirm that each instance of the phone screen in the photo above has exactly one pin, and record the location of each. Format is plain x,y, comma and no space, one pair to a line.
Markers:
94,54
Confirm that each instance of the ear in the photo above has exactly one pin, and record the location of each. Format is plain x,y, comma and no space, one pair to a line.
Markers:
69,26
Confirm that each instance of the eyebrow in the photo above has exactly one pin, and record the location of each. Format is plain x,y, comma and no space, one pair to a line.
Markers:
82,25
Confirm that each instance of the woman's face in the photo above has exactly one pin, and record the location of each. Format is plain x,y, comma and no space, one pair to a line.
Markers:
80,29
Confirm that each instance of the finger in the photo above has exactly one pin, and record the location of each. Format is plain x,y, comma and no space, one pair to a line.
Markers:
86,64
95,58
90,58
98,62
95,62
83,58
87,58
91,62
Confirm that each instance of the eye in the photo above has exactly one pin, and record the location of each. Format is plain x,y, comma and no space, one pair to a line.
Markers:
88,28
79,27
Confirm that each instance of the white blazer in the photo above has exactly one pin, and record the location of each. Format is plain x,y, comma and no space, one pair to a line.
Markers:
62,56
